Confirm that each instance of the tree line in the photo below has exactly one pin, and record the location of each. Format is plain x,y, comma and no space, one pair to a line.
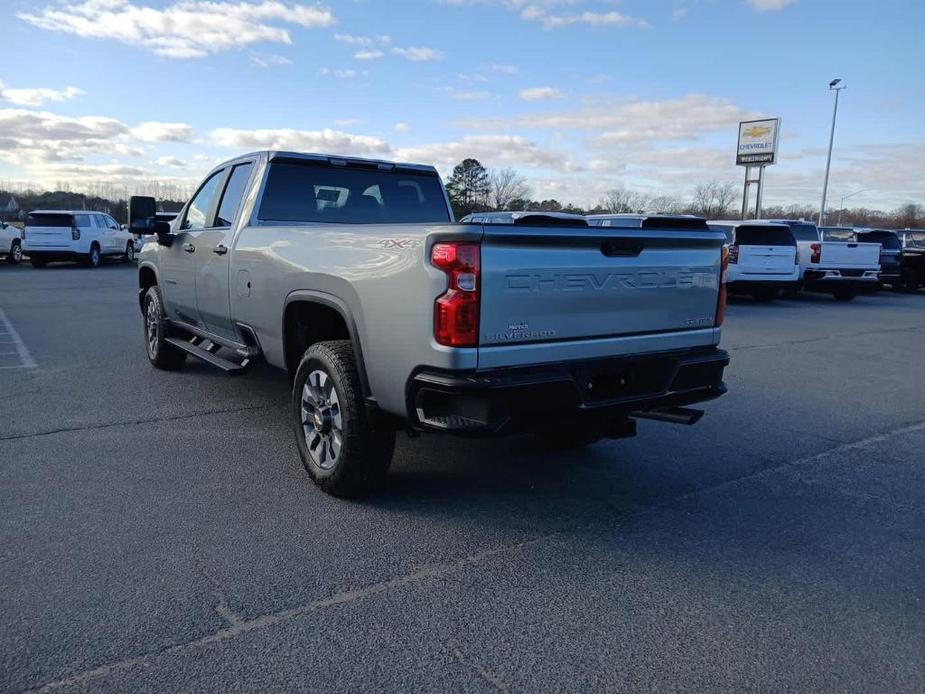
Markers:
475,188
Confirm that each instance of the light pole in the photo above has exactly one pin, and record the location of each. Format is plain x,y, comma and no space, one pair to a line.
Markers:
833,86
841,205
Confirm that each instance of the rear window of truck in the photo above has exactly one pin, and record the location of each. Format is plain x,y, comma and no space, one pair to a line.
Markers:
763,235
805,232
889,241
342,195
49,220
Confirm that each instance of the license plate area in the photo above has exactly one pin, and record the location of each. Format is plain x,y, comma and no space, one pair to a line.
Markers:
612,381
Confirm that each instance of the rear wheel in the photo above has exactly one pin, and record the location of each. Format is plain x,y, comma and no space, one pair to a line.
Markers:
15,255
845,293
342,450
161,354
909,283
129,253
94,257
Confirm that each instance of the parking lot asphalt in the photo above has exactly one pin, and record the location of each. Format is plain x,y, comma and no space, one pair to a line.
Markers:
158,533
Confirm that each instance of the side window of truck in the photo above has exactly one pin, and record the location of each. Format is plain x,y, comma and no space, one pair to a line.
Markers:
234,192
201,205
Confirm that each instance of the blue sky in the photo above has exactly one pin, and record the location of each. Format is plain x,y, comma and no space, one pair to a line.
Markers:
581,96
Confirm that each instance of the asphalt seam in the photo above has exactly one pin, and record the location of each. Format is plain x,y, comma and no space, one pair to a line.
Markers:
799,462
237,626
273,618
134,422
823,338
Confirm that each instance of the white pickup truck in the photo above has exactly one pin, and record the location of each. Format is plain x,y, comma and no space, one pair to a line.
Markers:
839,268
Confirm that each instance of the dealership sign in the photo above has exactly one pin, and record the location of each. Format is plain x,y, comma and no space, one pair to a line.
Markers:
758,142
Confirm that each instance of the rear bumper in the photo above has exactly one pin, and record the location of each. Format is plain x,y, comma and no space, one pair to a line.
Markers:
51,255
748,285
508,400
832,276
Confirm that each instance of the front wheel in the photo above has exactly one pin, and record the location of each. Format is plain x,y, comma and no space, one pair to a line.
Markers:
161,353
15,255
845,293
342,450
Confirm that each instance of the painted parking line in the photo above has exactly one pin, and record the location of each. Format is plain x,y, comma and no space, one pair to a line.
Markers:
13,351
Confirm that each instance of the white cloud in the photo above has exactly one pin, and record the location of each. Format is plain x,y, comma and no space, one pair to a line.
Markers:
632,120
492,150
418,54
540,93
156,131
327,141
401,127
374,54
344,74
464,95
184,29
767,5
172,162
503,69
595,19
266,60
363,40
36,96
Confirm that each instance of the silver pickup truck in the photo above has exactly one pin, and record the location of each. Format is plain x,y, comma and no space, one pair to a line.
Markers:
352,275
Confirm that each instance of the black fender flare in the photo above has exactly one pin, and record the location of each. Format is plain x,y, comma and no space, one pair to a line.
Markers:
336,303
142,290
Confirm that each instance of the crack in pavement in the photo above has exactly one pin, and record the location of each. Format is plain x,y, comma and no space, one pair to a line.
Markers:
823,338
238,626
267,620
133,422
487,675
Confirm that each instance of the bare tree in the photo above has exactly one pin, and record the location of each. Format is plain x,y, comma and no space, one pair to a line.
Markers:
713,199
621,200
504,187
909,216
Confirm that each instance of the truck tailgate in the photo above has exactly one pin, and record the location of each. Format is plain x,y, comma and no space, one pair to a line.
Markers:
550,284
767,260
846,254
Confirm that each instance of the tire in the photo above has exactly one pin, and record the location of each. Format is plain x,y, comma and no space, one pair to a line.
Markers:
845,293
15,255
339,446
569,435
765,294
909,284
94,257
38,262
161,354
129,256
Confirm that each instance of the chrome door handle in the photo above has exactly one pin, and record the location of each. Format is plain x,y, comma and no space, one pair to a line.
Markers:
220,249
189,248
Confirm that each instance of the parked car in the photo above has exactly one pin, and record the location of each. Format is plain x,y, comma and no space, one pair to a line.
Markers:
763,258
839,268
76,235
891,251
10,243
913,259
526,218
352,275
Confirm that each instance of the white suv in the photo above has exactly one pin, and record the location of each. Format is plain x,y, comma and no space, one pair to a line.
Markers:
78,235
10,243
763,258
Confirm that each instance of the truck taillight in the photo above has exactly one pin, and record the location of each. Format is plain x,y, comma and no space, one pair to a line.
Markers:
75,233
734,253
816,257
721,303
796,255
456,311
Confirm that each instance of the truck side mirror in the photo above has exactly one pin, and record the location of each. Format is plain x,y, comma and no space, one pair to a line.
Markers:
142,215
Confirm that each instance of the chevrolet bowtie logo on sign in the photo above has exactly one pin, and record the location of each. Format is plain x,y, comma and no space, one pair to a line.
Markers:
757,131
758,142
